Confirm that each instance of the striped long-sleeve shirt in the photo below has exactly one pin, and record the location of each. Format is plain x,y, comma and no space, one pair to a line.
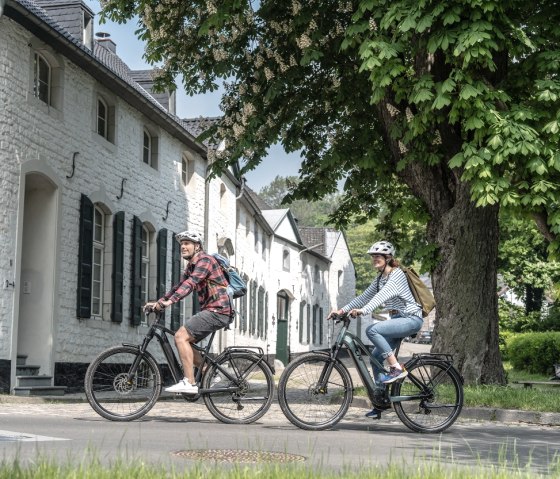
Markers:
205,276
393,292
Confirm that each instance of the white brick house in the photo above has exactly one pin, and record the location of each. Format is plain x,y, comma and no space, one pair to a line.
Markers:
96,176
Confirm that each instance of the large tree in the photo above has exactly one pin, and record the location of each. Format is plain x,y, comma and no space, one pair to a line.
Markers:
458,100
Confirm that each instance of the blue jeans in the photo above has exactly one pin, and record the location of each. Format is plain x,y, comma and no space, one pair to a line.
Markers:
386,335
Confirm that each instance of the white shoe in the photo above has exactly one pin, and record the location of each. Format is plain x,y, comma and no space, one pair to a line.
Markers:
183,386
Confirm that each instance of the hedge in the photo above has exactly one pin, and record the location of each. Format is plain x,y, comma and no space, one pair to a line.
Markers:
534,352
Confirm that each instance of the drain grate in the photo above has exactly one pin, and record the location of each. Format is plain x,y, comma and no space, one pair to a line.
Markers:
239,455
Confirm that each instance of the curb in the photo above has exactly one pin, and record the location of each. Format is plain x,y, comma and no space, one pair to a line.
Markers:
507,416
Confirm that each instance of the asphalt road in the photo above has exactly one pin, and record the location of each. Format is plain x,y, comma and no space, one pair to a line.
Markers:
175,429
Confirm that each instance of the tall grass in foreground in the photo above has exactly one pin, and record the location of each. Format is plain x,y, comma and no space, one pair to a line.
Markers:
422,470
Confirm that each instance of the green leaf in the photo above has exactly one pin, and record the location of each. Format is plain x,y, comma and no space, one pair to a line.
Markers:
468,91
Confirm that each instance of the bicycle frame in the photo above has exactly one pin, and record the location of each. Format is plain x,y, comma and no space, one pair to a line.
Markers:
358,351
160,332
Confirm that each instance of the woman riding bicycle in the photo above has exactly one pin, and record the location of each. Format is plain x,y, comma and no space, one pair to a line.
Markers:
390,287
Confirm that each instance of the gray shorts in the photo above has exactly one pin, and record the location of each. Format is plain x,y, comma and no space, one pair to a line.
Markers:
205,322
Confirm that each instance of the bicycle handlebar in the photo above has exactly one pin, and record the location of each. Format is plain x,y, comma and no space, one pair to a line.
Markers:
337,318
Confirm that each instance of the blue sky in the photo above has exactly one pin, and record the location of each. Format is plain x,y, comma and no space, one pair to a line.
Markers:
131,50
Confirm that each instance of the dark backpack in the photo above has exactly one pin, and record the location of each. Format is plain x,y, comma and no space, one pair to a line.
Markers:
420,291
236,285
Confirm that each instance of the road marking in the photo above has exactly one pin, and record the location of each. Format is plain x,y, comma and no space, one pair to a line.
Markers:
10,436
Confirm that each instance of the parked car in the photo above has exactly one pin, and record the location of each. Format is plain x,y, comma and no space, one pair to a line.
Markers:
423,337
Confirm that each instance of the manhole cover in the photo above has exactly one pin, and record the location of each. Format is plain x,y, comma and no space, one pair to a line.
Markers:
238,455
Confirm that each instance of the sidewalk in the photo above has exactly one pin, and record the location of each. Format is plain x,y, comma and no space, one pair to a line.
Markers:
506,416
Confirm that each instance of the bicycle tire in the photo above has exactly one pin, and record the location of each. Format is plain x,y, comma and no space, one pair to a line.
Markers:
108,390
254,394
441,388
302,404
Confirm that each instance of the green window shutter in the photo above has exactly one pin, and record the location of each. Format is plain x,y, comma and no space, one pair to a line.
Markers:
260,313
308,323
85,258
175,277
320,325
118,268
136,273
253,313
161,264
314,332
265,315
301,322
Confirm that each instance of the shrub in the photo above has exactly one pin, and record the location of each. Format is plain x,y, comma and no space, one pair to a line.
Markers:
534,352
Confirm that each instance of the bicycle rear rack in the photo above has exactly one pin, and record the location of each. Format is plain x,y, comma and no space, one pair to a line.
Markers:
437,356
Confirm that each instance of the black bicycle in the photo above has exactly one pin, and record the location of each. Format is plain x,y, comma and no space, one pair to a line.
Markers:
124,382
316,389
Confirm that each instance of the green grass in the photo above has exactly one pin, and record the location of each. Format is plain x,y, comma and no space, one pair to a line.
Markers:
419,469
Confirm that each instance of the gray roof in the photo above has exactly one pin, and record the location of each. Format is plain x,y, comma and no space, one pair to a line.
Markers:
197,126
91,61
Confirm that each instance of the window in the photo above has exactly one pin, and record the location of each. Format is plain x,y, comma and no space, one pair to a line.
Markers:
340,277
223,198
256,235
315,328
247,226
264,246
149,149
102,118
187,169
286,260
317,274
145,264
42,79
301,321
97,264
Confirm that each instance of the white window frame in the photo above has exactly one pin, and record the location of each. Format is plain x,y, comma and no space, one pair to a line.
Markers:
147,149
37,82
97,270
286,259
145,265
105,119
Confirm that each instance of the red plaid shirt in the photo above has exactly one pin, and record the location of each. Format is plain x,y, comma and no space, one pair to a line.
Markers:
204,275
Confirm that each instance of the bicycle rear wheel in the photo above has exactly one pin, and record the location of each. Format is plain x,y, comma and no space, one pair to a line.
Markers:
308,403
115,396
438,392
250,394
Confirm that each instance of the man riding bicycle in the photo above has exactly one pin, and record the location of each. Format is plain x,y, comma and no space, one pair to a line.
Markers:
203,274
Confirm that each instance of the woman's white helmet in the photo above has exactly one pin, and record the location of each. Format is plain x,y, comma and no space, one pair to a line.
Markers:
382,247
189,236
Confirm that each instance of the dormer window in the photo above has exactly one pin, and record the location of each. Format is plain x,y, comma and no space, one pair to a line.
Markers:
87,31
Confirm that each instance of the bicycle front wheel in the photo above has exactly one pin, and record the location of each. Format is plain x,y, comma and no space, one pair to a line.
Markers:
311,397
433,396
250,388
114,393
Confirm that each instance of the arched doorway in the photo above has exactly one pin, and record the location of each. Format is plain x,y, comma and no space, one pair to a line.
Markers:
37,281
282,317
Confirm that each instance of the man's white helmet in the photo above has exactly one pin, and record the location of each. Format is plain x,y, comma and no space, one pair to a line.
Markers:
382,247
189,236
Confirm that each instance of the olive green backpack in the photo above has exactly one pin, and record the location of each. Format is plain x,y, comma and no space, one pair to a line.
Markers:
420,291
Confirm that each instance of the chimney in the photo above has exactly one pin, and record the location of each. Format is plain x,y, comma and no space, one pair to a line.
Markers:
104,39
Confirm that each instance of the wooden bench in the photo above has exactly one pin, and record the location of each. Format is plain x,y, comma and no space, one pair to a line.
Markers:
529,384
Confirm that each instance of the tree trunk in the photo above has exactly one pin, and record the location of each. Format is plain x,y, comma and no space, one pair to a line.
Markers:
465,278
465,288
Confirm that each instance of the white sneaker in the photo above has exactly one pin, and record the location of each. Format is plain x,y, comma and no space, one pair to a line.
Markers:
183,386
